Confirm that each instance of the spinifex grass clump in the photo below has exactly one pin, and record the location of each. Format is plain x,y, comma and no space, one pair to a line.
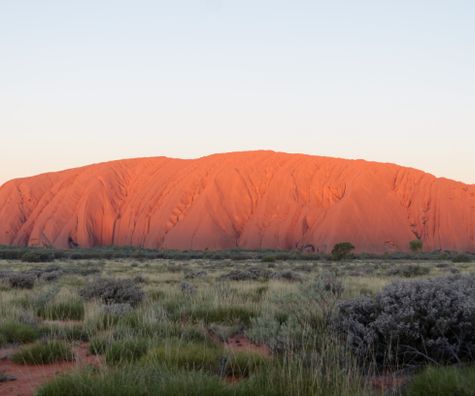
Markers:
443,381
243,364
222,314
67,310
146,380
208,357
99,344
184,372
327,284
279,336
67,332
114,291
413,321
191,356
44,353
16,332
300,316
317,372
125,351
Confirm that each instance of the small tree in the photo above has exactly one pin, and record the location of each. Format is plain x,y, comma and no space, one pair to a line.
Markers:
342,250
416,245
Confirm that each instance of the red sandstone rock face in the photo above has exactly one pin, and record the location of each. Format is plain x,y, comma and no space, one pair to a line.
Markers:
249,200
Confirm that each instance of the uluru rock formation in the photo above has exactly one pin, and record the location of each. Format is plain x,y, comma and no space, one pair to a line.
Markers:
250,200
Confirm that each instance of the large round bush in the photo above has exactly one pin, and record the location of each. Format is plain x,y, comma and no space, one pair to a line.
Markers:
413,321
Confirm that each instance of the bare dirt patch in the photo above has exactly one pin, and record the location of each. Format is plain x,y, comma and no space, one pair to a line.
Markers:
240,343
384,384
29,377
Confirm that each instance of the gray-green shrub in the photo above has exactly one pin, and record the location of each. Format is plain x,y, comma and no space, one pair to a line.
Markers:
462,258
21,281
413,321
113,291
408,270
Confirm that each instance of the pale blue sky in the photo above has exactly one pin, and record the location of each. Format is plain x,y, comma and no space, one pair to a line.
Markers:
90,81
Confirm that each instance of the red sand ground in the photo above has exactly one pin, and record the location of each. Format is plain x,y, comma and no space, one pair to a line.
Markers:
387,384
241,343
249,200
29,378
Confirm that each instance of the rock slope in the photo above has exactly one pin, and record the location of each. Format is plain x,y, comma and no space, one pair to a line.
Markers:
250,200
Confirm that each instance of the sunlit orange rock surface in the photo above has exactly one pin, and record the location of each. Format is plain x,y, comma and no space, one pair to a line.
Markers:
249,200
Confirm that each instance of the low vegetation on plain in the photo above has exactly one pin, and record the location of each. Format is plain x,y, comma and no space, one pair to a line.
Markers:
242,323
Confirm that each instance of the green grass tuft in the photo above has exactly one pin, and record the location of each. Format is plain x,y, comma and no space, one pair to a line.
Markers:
443,381
44,353
137,380
69,310
191,356
98,345
223,314
243,364
125,351
15,332
75,332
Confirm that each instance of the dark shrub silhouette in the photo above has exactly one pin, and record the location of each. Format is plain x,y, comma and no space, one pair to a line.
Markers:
342,250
